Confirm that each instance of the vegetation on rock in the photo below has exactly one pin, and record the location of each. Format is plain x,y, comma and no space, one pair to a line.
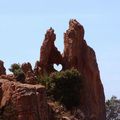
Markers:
17,71
113,109
64,87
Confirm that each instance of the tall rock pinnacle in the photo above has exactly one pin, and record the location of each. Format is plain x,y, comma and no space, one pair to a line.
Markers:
49,54
77,54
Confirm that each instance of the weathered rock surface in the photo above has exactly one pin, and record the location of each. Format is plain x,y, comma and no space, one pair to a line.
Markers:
79,55
26,67
49,54
61,113
2,68
10,77
28,102
29,74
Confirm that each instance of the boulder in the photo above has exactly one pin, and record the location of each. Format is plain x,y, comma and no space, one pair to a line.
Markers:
22,101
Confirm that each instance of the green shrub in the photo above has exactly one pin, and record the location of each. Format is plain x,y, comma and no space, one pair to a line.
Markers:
64,87
20,76
17,71
14,67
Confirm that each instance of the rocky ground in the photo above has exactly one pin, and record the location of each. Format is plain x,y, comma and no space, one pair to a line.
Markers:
61,113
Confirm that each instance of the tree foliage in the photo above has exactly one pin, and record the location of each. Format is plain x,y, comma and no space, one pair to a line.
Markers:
113,109
17,71
64,86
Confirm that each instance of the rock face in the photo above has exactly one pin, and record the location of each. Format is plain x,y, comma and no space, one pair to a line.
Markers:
2,68
22,101
61,113
49,54
29,74
26,67
79,55
28,102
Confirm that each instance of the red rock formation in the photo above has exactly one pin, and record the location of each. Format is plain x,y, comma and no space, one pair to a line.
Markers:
26,102
30,78
2,68
37,69
49,54
79,55
29,74
10,77
29,101
26,67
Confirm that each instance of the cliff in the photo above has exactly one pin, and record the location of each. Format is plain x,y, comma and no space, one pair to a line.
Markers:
79,55
29,101
22,101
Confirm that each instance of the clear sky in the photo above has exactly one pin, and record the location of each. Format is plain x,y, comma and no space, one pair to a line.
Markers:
23,24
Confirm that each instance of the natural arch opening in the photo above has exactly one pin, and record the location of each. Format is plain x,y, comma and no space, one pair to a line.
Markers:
58,67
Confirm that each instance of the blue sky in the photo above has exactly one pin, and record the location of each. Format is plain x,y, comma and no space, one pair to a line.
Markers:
23,24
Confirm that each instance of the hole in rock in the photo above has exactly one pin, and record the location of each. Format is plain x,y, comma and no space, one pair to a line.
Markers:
57,67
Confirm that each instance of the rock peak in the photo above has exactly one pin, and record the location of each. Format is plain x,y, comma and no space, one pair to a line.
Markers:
50,35
50,30
74,25
73,22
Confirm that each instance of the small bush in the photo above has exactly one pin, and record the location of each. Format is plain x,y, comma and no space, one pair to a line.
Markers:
64,87
14,67
113,108
18,73
20,76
